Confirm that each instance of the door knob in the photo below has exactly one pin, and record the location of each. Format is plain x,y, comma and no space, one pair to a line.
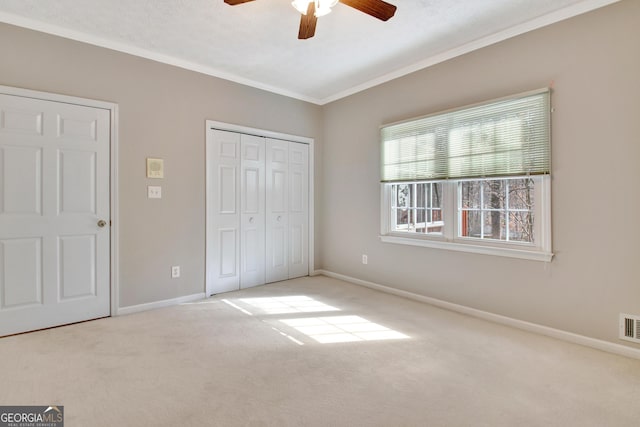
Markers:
279,218
102,223
251,220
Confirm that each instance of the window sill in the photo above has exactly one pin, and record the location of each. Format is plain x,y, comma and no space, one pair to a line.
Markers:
532,255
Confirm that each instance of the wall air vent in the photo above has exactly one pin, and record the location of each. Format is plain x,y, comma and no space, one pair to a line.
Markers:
630,328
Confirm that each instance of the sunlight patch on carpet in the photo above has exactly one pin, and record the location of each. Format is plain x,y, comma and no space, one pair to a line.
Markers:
287,304
334,329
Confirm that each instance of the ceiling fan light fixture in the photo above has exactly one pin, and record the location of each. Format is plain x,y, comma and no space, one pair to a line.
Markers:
322,7
310,10
301,5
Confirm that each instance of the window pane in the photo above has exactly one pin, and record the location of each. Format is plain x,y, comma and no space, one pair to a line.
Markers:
521,227
494,192
506,211
494,225
411,210
421,200
471,224
471,194
521,194
436,189
402,218
403,195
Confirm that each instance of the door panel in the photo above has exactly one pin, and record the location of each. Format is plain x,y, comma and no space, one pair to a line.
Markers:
24,118
297,244
251,190
253,211
278,193
298,210
252,252
21,278
54,160
77,128
223,215
279,248
228,250
297,191
227,189
77,191
277,217
77,266
21,170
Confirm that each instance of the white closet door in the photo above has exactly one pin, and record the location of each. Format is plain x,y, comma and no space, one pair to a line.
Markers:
54,213
298,210
223,212
277,216
252,224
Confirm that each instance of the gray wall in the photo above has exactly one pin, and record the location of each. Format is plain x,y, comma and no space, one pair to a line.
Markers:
594,60
162,114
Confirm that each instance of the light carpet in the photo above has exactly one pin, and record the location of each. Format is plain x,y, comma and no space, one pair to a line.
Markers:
314,352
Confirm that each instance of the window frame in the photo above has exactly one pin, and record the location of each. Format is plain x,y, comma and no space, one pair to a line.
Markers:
450,238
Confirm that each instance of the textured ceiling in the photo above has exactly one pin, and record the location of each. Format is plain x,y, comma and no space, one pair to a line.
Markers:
256,43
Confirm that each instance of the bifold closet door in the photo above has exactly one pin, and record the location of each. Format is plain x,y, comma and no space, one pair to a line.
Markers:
252,222
223,212
277,210
257,210
298,210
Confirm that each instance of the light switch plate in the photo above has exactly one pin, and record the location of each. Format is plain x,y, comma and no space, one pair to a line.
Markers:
154,192
175,271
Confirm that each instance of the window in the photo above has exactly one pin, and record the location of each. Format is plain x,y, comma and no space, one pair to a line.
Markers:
497,209
473,179
417,207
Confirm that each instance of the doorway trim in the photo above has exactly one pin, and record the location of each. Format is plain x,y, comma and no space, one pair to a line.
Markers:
229,127
114,269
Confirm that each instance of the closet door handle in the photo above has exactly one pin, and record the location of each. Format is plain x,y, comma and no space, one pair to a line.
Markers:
279,218
251,220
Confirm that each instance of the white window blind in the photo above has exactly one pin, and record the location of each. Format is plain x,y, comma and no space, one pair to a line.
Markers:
506,137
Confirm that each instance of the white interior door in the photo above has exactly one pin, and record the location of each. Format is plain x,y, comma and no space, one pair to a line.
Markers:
298,210
252,225
277,216
223,211
54,193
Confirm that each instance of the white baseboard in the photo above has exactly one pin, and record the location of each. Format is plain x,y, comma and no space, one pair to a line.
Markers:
485,315
159,304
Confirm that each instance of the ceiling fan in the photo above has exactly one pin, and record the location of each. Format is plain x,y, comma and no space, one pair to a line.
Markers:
312,9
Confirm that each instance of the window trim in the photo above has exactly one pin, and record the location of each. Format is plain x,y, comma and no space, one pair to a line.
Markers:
449,240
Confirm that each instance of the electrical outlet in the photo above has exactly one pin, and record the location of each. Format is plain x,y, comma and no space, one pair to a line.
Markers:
175,271
364,259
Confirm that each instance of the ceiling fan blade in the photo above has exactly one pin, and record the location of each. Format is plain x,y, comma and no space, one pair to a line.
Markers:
235,2
308,23
376,8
